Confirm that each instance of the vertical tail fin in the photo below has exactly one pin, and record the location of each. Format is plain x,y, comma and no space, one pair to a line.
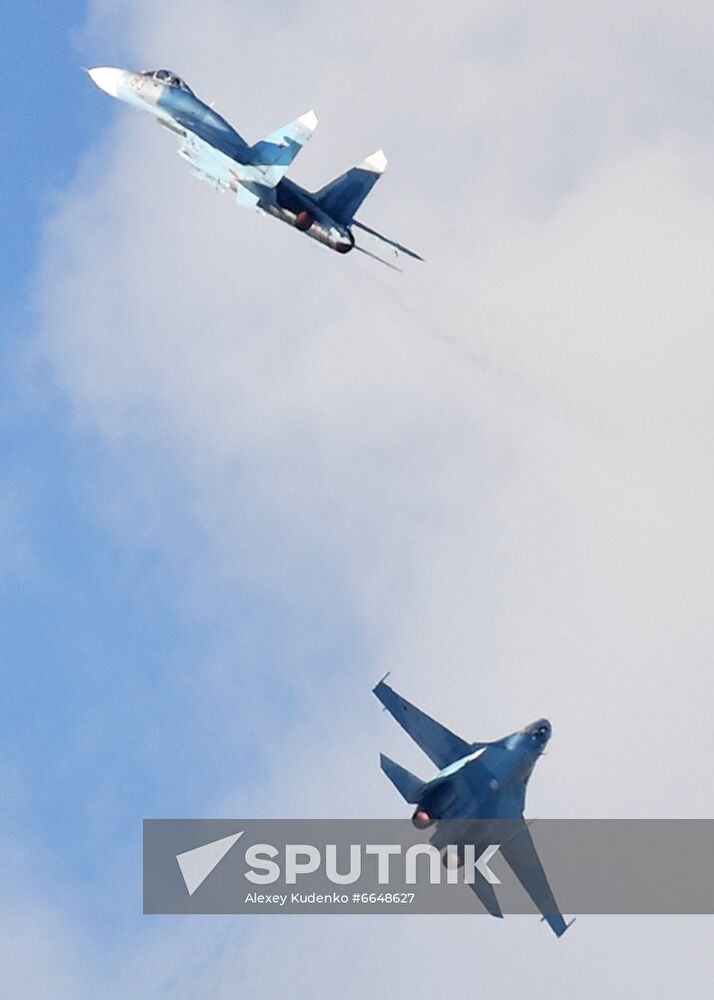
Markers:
341,198
407,784
273,155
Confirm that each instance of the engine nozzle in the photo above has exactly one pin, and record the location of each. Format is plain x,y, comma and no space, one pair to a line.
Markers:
421,819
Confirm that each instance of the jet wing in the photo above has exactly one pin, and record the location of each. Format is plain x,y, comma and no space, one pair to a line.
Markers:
516,846
206,162
521,855
220,171
439,744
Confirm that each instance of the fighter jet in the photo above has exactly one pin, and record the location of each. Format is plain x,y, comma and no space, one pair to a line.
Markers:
476,781
255,174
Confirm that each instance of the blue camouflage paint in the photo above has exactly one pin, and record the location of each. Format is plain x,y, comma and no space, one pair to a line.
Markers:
194,116
254,174
476,782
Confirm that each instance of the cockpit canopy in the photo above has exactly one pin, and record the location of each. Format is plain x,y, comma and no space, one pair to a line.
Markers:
168,78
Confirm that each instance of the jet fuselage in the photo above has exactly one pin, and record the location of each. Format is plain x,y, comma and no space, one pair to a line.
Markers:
220,156
472,786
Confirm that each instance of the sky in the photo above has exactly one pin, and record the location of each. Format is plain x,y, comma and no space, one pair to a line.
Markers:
244,477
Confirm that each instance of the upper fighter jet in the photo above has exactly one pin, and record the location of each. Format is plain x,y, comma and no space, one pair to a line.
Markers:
476,781
255,174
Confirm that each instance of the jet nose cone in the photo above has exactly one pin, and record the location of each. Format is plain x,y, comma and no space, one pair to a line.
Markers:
542,730
107,78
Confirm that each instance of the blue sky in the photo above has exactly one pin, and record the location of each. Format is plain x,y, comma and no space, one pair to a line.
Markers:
242,479
83,615
102,721
50,118
97,715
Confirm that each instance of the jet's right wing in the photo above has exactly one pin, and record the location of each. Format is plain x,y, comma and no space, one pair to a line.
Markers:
520,853
220,171
207,163
439,744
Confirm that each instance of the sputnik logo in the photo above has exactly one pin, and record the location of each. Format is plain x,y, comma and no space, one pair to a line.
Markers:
196,865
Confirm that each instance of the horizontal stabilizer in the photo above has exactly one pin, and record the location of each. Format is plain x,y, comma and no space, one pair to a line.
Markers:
273,155
341,198
407,784
374,256
398,247
487,895
439,744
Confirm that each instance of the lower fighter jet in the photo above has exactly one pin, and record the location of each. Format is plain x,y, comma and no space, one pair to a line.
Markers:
476,781
255,174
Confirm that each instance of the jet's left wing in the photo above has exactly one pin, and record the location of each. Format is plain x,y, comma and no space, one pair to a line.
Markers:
520,853
207,163
220,171
439,744
272,156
